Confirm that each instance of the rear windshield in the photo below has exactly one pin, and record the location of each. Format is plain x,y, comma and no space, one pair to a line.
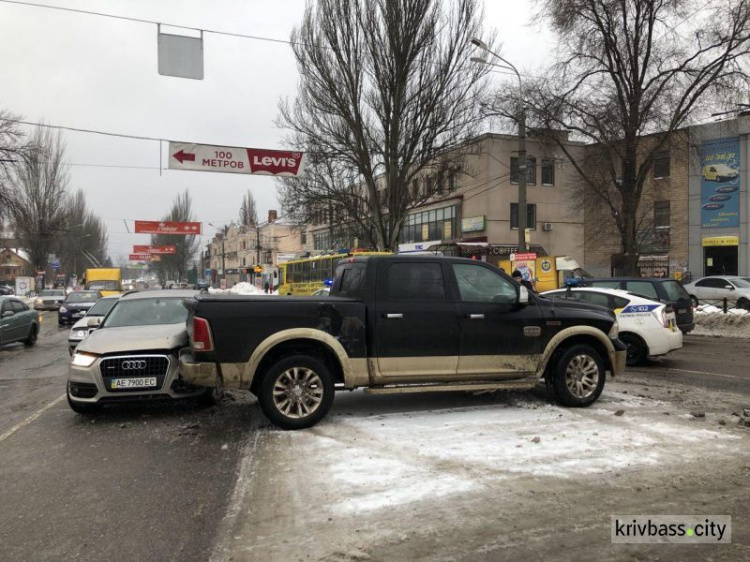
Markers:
82,297
675,291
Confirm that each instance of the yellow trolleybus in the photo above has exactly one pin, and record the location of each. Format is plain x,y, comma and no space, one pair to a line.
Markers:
307,275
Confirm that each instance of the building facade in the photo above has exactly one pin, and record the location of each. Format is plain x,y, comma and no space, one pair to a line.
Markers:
14,263
476,202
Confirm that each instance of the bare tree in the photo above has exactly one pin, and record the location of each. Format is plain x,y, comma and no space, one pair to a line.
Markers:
627,69
248,210
12,149
85,234
38,193
386,89
175,266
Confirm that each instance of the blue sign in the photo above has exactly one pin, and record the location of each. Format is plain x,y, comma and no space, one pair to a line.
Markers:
55,264
720,183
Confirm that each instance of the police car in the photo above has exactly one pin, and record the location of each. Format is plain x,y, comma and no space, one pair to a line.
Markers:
647,327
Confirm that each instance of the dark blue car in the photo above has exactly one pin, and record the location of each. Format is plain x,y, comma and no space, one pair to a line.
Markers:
75,306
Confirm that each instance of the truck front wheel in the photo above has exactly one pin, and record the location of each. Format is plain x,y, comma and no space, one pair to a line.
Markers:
296,392
579,376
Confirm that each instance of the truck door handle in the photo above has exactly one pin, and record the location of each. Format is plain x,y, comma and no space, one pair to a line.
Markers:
475,316
393,316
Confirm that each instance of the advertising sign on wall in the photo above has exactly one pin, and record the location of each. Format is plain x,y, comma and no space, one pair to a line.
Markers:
474,224
720,183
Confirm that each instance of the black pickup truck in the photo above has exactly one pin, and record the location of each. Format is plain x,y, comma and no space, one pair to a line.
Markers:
395,324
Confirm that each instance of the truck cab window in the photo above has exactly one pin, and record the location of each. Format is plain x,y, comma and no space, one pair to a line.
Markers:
412,281
479,284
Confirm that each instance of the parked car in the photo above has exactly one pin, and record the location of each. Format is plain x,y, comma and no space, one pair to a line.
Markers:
6,290
133,354
202,284
715,288
647,327
324,292
17,322
90,321
49,299
75,306
661,289
399,324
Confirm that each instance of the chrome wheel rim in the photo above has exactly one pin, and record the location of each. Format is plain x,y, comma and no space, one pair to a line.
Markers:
298,392
582,376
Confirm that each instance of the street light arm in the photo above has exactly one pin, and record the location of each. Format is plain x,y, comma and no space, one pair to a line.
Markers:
483,46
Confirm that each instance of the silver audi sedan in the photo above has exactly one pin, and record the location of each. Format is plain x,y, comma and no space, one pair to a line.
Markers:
133,354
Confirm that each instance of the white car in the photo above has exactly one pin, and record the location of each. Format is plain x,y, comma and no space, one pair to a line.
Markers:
716,288
647,327
81,329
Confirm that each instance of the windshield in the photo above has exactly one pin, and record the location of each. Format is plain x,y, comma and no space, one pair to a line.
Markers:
48,293
82,297
675,291
104,285
102,307
741,282
147,312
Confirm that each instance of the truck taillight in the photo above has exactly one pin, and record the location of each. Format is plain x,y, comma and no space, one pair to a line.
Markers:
202,340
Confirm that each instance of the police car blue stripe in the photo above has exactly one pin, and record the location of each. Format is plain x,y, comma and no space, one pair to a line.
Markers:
632,308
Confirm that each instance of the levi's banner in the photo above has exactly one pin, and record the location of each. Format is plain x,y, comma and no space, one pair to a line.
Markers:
166,227
210,158
146,249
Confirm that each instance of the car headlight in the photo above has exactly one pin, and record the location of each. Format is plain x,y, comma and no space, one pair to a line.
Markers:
79,334
38,301
63,309
83,359
614,331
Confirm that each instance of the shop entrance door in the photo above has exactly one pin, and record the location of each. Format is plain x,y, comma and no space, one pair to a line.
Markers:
720,260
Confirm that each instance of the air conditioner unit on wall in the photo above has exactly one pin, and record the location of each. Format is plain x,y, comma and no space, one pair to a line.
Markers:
547,226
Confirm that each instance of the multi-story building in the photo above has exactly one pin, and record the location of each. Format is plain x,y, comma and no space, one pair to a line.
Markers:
474,209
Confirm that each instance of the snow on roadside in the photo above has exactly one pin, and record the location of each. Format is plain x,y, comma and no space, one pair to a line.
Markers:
710,322
383,461
242,288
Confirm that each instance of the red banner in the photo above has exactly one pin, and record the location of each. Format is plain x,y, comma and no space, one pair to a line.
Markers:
146,249
166,227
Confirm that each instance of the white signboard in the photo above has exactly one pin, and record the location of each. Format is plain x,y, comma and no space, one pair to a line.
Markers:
23,286
417,247
210,158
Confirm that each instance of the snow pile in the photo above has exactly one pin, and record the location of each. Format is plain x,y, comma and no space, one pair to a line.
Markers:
242,288
711,309
736,324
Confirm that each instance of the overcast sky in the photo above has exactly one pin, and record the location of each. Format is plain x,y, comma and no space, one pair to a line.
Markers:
100,73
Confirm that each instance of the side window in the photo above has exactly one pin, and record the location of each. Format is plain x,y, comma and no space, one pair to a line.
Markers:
703,283
619,302
416,281
18,306
351,282
606,284
479,284
594,298
642,288
6,307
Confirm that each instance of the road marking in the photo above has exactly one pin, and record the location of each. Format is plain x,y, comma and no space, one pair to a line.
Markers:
30,419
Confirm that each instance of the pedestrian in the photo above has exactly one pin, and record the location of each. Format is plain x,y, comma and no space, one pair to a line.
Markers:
518,278
267,287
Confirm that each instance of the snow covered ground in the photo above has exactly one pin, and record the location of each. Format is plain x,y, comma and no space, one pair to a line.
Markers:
242,288
381,470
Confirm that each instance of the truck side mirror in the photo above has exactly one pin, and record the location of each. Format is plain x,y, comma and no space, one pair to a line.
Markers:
523,296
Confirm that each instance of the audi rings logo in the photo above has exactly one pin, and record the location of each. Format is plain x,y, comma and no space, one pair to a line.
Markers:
133,365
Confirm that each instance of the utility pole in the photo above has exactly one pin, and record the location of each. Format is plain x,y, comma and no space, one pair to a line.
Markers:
521,140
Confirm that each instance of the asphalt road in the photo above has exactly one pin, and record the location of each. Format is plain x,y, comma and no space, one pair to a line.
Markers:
143,482
154,481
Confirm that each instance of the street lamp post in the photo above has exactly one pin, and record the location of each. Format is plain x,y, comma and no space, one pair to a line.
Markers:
521,140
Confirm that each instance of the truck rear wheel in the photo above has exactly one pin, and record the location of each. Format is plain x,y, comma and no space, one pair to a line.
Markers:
579,376
296,392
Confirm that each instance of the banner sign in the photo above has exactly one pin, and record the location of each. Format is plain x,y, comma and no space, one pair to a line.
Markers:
166,227
720,183
210,158
139,257
146,249
474,224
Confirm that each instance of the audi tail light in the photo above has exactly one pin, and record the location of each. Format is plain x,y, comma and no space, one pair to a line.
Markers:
202,339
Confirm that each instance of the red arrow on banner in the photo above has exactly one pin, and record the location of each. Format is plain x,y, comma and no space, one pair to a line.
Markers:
181,156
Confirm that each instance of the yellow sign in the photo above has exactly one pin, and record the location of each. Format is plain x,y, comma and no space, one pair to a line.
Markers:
258,269
721,241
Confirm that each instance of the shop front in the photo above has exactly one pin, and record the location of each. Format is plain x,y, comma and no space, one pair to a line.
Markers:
720,255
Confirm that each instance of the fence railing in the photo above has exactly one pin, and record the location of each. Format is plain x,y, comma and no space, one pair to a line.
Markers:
724,306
